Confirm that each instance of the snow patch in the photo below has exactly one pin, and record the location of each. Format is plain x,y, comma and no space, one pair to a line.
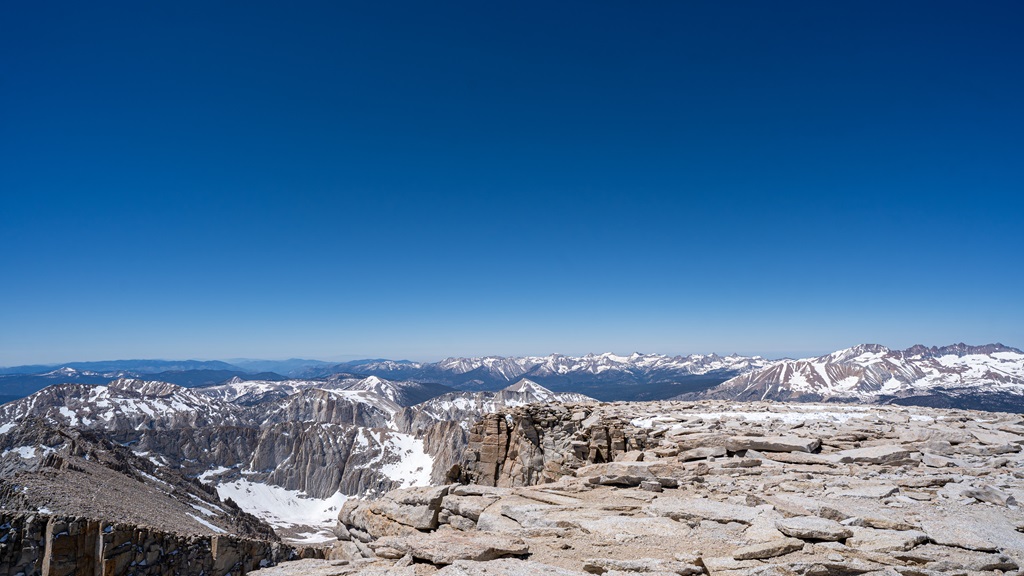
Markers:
205,477
414,465
216,529
282,508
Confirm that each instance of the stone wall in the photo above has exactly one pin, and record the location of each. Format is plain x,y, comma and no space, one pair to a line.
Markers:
540,443
36,544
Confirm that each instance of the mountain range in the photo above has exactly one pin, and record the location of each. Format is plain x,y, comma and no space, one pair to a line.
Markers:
989,377
984,376
289,452
602,376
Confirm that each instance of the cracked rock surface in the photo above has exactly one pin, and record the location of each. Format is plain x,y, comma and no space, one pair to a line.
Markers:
707,488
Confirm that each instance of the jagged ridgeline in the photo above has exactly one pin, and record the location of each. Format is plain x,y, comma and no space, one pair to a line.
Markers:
266,459
288,453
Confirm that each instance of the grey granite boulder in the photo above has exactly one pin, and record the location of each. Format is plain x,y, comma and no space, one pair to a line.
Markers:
772,444
813,528
449,546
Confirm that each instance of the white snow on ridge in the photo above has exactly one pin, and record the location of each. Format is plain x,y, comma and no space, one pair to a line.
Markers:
26,452
206,477
216,529
283,508
868,371
414,465
511,368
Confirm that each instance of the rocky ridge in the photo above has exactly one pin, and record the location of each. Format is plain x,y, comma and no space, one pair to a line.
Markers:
605,376
73,502
707,488
275,448
989,377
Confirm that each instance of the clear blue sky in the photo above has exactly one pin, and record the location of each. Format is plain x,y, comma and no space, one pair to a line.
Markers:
424,179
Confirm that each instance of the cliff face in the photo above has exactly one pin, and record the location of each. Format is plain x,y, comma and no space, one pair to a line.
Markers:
34,544
540,443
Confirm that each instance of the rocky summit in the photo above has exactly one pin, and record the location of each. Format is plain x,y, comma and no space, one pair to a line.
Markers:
710,487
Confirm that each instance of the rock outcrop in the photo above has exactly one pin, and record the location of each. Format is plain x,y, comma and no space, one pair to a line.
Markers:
47,545
540,443
989,377
802,490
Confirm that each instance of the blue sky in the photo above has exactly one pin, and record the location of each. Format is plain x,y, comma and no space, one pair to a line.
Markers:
418,180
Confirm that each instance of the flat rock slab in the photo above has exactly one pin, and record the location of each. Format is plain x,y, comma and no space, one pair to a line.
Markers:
632,473
885,540
645,565
447,547
813,528
991,495
469,506
505,567
889,454
960,559
951,532
612,526
772,443
702,453
530,515
994,438
799,458
306,567
701,509
875,491
769,549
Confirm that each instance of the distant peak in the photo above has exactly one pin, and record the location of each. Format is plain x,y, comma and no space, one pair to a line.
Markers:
527,385
855,351
958,349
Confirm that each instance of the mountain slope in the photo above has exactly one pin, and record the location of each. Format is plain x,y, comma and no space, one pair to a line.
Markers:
124,404
989,376
467,407
58,470
290,451
403,393
250,392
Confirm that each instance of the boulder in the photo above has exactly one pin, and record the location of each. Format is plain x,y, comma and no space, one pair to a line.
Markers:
772,444
991,495
644,565
769,549
469,506
874,491
813,528
505,567
447,547
885,540
702,453
886,454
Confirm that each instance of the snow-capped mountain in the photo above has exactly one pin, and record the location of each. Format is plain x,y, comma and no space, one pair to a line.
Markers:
990,376
403,393
606,376
466,407
251,392
353,407
275,448
124,404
